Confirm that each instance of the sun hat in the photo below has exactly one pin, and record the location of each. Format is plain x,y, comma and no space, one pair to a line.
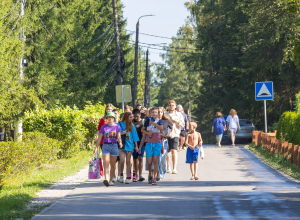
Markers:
110,114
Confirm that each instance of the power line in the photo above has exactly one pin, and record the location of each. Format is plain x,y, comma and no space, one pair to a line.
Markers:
10,19
10,11
111,80
11,30
102,34
163,37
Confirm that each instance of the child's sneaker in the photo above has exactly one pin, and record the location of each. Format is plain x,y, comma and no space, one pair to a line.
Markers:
114,180
127,181
121,179
118,179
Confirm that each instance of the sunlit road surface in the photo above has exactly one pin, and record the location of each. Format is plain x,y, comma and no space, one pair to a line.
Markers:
234,184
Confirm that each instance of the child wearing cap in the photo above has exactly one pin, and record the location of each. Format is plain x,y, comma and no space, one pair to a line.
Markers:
112,134
193,140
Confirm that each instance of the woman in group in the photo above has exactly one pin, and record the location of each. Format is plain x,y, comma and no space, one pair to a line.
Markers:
128,129
167,129
218,127
111,134
233,124
109,108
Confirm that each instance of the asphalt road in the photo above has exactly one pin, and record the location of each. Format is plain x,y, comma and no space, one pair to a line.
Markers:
234,184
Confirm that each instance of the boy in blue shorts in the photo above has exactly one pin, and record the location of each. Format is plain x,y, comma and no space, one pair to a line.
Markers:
153,127
138,156
193,140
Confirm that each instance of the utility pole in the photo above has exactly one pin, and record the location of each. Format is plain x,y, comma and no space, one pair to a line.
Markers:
146,95
118,51
22,37
136,61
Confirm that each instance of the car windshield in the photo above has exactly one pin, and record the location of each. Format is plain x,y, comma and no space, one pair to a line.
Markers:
244,122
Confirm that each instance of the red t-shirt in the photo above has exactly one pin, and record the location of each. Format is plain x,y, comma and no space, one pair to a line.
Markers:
101,123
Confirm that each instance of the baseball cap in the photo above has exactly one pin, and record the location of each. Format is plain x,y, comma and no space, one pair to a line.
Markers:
110,114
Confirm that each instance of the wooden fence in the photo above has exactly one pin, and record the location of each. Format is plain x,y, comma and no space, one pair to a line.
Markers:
290,151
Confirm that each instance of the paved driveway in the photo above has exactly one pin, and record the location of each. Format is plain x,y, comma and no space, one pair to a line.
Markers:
234,184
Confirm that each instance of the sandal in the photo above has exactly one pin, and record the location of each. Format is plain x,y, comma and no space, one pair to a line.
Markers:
105,182
141,179
196,178
154,183
157,179
192,178
150,179
134,180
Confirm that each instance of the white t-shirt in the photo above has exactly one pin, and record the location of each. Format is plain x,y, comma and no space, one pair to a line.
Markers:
178,117
233,121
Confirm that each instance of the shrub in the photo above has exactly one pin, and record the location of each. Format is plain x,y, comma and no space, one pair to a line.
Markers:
298,102
63,124
91,117
288,127
19,157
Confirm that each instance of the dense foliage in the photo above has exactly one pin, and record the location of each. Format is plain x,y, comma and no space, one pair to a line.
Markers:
19,157
225,48
288,127
70,46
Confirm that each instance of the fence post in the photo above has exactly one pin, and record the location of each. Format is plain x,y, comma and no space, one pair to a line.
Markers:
259,139
295,154
285,150
290,151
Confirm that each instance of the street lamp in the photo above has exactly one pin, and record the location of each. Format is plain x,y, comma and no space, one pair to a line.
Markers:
136,60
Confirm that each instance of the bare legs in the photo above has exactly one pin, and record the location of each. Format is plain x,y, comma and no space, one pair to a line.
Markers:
136,167
153,159
232,133
182,139
194,168
174,158
109,160
125,155
140,167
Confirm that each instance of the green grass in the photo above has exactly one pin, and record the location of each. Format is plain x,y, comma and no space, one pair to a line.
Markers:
19,191
276,161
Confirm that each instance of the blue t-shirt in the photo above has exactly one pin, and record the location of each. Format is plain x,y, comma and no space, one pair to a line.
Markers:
219,124
131,137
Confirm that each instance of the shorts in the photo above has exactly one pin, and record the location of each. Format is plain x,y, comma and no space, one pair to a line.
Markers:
136,155
183,133
192,155
173,143
219,137
153,149
111,149
233,129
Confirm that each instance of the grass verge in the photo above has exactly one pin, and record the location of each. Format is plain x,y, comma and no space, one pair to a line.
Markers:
19,191
276,161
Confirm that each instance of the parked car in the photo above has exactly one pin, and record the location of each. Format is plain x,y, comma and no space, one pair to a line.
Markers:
245,134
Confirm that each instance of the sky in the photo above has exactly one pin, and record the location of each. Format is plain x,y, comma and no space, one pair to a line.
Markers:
170,15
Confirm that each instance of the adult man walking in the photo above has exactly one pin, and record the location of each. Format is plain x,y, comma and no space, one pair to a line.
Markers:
178,122
185,128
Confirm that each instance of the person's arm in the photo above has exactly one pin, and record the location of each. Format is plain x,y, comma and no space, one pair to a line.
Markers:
120,140
200,140
187,142
238,122
142,141
187,125
159,127
98,141
146,132
172,131
212,129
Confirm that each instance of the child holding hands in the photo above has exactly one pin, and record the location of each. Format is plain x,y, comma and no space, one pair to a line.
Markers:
193,140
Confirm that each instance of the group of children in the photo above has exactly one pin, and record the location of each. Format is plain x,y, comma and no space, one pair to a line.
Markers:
155,131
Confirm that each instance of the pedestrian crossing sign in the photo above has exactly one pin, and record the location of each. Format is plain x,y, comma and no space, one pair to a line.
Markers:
264,91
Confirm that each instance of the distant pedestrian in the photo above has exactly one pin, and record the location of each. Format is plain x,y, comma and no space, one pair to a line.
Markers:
178,122
185,128
126,109
108,108
111,133
218,127
128,129
233,124
193,142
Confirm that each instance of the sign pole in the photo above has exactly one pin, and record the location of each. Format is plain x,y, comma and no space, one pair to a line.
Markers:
123,97
265,107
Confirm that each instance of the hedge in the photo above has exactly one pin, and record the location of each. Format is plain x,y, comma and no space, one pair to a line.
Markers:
298,102
19,157
288,128
69,125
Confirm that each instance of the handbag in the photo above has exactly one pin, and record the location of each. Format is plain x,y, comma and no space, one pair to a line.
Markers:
123,138
95,167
